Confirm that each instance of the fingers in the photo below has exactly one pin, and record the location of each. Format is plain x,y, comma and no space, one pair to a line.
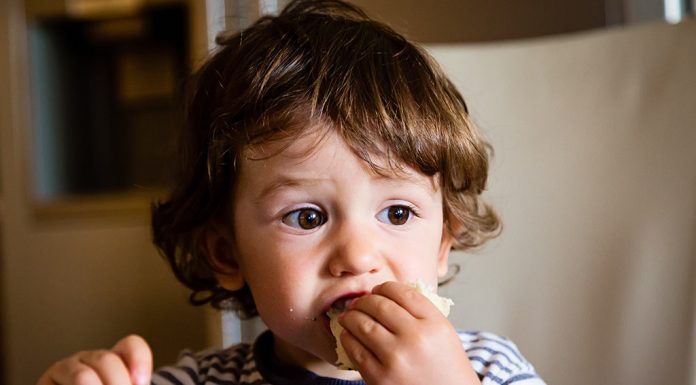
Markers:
408,298
372,336
87,368
382,309
108,366
137,356
128,362
361,356
378,322
69,371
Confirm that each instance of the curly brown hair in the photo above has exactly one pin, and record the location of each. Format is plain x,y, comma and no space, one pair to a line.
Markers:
323,62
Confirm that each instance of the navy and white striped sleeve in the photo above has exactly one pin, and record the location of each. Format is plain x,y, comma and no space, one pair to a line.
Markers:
207,367
497,361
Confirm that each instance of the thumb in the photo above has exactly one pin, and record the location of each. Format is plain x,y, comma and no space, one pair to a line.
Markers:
137,356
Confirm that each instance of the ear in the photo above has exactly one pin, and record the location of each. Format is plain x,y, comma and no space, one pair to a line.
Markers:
220,248
443,255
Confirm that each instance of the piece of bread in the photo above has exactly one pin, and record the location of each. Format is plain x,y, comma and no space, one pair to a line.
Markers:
343,362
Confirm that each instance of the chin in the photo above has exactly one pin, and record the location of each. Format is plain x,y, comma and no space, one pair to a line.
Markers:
319,349
327,351
328,355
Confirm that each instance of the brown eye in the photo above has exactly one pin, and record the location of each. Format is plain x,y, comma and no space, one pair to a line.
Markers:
395,215
305,219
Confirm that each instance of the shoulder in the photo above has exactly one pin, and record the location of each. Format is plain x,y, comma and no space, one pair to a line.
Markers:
497,360
229,366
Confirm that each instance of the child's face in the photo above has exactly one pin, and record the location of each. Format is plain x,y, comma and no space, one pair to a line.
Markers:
314,227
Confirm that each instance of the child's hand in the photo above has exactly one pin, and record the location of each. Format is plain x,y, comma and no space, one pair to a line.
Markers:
129,362
397,336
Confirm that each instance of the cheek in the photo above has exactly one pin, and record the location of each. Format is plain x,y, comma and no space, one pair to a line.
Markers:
272,288
283,299
278,279
417,256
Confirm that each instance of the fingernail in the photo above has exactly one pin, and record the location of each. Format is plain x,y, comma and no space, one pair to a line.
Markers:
141,377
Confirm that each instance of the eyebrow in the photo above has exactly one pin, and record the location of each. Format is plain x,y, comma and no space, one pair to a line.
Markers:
285,182
429,183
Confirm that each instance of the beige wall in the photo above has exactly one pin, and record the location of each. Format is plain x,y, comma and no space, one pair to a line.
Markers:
594,175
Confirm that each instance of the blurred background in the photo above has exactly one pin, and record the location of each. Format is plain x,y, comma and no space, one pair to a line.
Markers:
92,93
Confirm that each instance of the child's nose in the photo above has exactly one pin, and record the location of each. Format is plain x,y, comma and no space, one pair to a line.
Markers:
357,251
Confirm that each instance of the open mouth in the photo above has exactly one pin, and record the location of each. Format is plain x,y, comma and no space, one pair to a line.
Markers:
339,306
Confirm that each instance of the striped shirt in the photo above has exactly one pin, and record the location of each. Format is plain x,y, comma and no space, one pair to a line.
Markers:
495,359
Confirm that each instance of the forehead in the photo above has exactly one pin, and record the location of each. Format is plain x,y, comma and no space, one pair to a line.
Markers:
321,151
